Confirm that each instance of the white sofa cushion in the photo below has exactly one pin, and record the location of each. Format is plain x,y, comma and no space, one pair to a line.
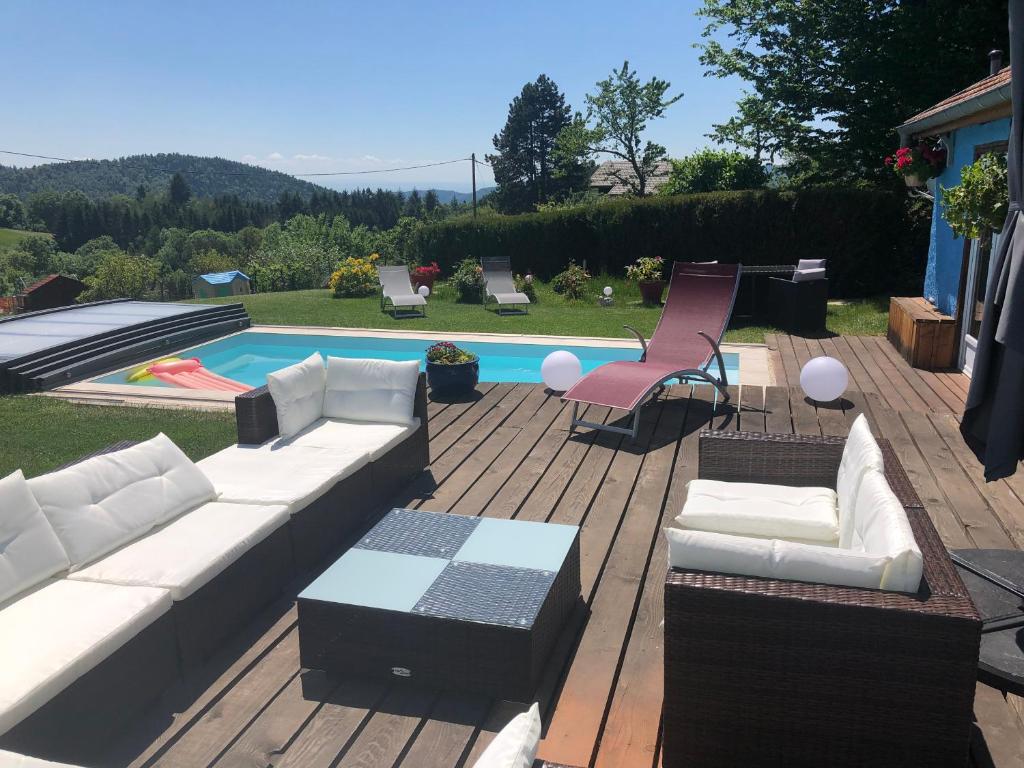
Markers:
298,393
12,760
54,635
381,391
189,552
373,439
515,745
29,549
881,527
808,275
774,559
101,503
279,474
756,509
810,264
860,455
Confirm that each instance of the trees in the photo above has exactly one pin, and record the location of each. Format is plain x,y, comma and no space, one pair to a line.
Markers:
617,115
119,275
711,170
179,191
526,169
844,73
12,212
756,127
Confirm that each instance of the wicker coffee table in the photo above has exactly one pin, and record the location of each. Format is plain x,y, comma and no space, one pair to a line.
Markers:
448,601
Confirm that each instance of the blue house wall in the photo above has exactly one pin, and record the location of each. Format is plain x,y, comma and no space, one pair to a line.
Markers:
945,250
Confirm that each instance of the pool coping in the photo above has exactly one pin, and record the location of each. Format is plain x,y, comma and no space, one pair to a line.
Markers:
755,369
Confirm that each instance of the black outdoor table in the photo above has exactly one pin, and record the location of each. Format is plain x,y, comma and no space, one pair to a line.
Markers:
995,579
760,272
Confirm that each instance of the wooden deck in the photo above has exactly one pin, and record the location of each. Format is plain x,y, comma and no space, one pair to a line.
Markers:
509,454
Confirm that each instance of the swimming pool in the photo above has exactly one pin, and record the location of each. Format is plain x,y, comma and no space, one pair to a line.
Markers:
248,357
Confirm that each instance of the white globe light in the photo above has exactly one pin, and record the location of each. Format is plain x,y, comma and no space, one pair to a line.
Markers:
529,277
560,370
423,290
607,290
824,379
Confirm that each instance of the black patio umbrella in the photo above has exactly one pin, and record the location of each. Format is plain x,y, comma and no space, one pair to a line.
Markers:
994,415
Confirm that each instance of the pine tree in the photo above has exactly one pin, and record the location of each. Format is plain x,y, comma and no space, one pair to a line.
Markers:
180,192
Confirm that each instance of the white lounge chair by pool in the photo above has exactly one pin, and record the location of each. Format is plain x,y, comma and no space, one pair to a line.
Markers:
396,287
499,284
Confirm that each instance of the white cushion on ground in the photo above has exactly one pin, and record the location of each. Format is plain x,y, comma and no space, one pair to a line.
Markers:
29,549
270,474
771,558
756,509
189,552
811,264
860,455
365,436
101,503
12,760
54,635
371,390
881,527
515,745
298,393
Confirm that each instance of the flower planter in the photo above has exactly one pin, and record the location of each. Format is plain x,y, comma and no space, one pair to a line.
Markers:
427,280
651,290
913,180
451,381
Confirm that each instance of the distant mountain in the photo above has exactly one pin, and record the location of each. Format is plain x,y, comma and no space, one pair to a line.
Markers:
447,195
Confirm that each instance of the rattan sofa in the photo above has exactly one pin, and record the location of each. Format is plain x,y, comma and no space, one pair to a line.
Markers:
768,672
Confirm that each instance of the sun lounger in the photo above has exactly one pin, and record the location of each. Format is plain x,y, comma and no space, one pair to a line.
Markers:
693,321
499,284
395,287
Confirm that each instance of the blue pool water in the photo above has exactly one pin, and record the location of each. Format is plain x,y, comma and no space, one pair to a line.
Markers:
249,357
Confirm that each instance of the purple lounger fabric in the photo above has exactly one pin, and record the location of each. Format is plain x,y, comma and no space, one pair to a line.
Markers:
700,298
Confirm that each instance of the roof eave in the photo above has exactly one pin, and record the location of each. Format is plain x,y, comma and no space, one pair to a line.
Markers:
987,106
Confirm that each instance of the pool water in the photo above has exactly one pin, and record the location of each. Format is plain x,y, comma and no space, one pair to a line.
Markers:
248,357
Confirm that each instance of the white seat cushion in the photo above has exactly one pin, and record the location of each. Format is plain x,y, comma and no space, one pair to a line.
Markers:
382,391
881,527
298,393
189,552
808,275
101,503
511,298
774,559
755,509
271,474
860,454
54,635
810,264
12,760
29,549
515,745
373,439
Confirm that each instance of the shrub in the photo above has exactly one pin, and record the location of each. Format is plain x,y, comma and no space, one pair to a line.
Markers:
572,282
978,204
429,272
709,170
355,277
646,269
526,286
468,281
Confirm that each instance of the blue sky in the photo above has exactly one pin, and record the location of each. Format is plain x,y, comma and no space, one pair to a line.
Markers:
315,86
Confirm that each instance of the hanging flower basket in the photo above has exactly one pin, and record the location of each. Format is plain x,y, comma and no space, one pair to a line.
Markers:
918,163
913,180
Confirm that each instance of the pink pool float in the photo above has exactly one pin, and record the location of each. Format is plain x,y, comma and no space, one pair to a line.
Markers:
190,374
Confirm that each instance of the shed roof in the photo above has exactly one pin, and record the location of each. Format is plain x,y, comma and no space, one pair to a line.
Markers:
613,177
987,99
47,280
220,278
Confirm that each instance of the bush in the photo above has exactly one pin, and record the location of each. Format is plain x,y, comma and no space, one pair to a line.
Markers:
355,277
874,242
572,282
526,286
468,281
709,170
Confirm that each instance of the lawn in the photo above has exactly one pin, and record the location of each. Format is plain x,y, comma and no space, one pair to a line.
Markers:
551,315
43,433
12,236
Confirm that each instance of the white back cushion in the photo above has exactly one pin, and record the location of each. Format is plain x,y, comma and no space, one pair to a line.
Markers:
881,527
382,391
101,503
808,275
298,393
774,559
29,549
860,455
515,746
811,264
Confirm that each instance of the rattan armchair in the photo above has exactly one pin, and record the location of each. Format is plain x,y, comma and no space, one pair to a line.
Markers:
768,672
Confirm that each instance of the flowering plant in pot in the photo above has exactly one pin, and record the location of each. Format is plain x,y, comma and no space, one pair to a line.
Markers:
647,272
426,275
918,163
451,370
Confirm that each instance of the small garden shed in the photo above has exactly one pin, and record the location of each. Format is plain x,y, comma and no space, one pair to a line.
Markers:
233,283
49,292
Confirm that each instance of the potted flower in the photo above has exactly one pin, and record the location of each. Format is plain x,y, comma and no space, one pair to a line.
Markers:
646,272
426,276
918,163
451,372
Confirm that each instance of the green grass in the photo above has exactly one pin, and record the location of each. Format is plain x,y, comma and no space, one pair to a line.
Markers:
552,315
13,236
43,433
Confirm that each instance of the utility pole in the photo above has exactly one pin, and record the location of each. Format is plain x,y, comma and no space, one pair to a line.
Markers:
472,164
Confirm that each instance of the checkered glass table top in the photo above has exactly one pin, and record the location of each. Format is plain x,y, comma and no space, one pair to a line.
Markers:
450,566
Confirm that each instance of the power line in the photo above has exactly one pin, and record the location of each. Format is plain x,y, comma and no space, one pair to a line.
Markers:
385,170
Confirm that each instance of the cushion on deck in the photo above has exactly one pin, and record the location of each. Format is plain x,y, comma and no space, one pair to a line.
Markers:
29,549
189,552
881,527
103,502
12,760
54,635
279,474
382,391
298,393
372,439
756,509
860,454
774,559
515,745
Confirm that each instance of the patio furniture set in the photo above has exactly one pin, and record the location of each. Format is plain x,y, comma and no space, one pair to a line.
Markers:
398,297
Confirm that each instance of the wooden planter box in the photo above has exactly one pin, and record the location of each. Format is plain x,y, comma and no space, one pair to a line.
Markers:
924,336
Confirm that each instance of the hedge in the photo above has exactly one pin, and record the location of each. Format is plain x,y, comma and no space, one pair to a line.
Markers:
874,241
